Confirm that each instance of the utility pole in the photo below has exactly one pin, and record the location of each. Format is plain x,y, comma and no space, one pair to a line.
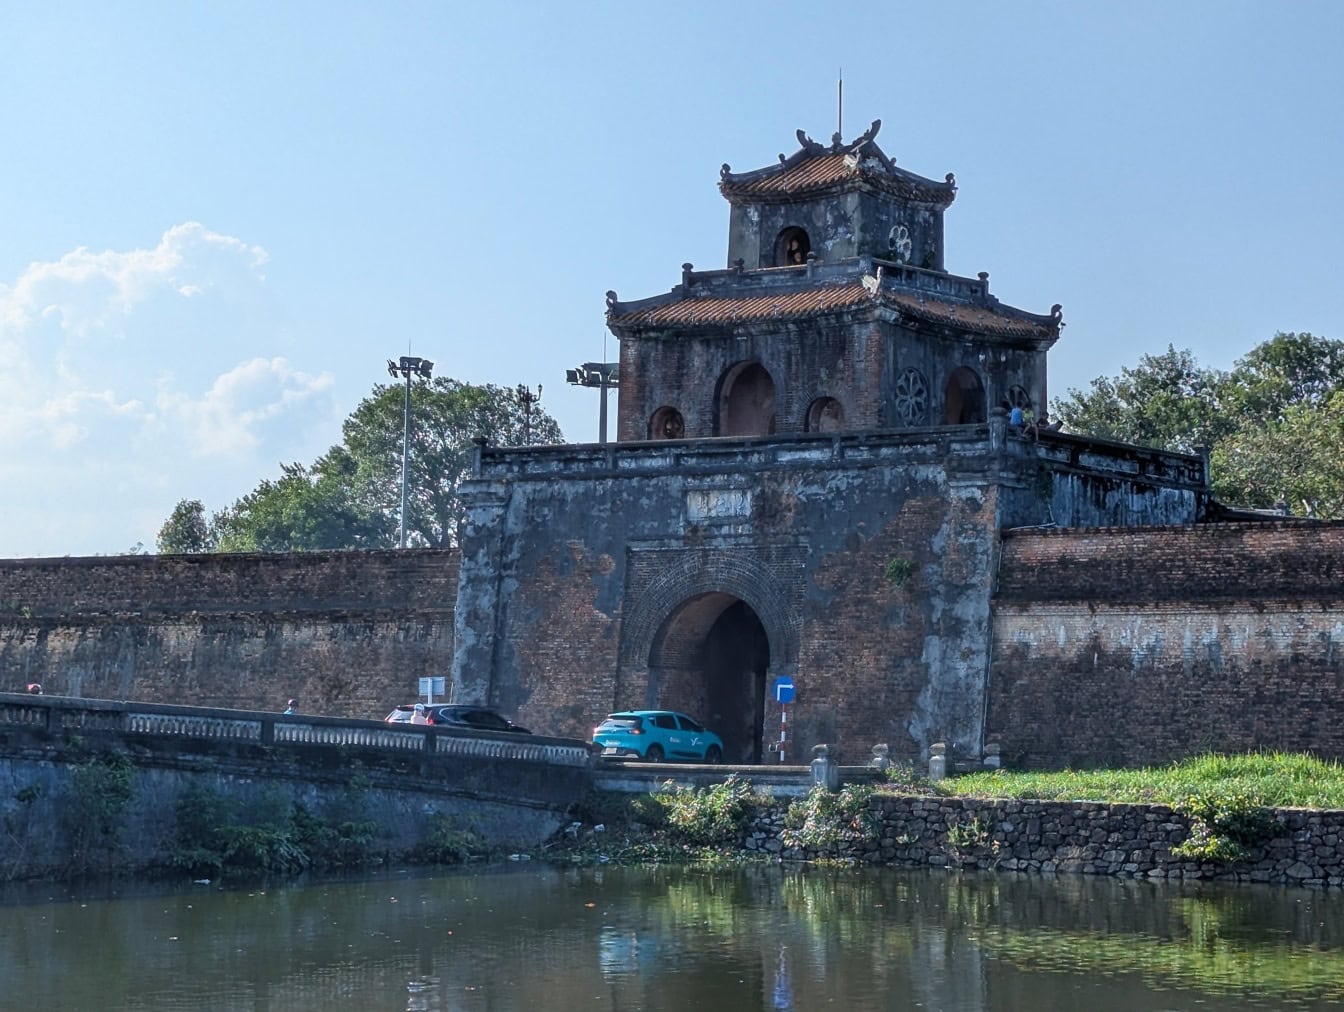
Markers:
527,398
408,366
603,376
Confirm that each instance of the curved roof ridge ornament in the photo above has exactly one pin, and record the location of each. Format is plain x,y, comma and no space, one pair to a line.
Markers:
867,136
808,144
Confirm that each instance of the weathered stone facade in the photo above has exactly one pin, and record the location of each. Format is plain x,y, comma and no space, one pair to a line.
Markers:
348,633
1128,646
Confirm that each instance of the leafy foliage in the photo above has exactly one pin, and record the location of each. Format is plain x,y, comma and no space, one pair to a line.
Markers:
350,497
217,834
100,791
822,819
186,531
710,815
1224,825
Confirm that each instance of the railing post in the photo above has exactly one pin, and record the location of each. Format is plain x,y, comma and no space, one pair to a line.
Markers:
268,731
938,761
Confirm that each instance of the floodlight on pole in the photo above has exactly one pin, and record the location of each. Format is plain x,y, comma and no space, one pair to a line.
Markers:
602,376
408,366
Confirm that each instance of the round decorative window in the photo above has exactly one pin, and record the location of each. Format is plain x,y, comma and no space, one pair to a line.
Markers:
912,398
1019,398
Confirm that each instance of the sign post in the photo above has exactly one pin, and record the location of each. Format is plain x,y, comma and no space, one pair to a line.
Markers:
429,686
783,692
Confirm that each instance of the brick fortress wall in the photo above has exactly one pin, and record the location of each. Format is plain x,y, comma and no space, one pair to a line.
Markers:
348,633
1123,646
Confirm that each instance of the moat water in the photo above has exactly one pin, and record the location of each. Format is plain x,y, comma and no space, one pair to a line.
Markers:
529,937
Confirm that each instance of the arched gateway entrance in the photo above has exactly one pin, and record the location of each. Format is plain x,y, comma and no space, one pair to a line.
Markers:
709,659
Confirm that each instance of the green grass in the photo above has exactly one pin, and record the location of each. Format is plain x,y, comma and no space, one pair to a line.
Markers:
1276,779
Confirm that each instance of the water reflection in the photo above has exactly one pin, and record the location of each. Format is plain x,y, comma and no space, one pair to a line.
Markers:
620,939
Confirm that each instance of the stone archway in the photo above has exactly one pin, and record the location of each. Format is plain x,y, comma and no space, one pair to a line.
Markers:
746,401
964,398
710,659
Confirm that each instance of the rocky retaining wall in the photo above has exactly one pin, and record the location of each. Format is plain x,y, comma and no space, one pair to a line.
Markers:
1077,837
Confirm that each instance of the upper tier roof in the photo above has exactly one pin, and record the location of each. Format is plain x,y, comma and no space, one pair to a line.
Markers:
815,169
725,298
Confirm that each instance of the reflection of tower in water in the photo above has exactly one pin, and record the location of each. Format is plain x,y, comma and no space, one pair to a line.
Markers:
782,994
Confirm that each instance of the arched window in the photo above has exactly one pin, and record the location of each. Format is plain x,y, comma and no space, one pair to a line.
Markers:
792,247
964,398
825,414
667,423
746,405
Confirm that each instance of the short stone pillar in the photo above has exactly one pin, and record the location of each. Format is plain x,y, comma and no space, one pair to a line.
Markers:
992,759
825,770
881,759
938,761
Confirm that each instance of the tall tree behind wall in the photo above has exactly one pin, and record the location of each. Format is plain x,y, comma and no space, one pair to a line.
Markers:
1274,423
350,497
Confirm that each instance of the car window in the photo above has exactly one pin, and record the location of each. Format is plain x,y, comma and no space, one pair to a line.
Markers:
620,724
689,725
488,720
665,721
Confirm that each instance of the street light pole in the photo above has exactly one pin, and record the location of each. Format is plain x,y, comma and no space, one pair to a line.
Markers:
408,366
603,376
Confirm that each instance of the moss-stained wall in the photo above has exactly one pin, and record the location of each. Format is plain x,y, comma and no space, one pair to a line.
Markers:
348,633
1124,646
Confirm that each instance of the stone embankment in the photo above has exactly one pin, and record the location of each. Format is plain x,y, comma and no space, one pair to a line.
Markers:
1060,837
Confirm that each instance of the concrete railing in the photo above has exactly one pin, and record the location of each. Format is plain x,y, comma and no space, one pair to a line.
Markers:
63,715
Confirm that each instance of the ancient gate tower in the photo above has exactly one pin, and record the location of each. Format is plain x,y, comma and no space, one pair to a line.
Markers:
811,472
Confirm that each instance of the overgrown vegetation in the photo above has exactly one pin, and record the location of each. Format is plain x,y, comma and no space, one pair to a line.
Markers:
898,572
706,816
218,834
1224,826
823,820
95,814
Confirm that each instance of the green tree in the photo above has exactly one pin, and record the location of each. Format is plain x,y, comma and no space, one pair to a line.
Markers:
447,415
1297,459
1167,401
305,510
186,531
350,497
1283,373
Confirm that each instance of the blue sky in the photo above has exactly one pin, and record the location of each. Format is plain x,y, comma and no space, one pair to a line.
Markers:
217,221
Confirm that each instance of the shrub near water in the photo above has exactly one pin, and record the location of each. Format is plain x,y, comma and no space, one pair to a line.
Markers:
709,816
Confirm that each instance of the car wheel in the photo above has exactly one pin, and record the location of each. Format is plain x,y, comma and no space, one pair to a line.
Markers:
654,754
713,754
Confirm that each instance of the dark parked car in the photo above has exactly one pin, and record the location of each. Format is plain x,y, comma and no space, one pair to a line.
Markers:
464,715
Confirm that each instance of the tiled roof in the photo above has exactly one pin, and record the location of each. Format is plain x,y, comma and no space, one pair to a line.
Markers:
748,307
817,173
825,299
977,318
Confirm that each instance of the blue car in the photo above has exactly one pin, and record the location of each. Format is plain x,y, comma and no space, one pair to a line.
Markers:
656,735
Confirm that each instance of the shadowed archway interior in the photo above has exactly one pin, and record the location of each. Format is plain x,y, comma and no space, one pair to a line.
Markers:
710,660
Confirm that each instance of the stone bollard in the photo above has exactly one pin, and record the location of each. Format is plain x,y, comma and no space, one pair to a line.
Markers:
881,759
937,761
825,770
992,759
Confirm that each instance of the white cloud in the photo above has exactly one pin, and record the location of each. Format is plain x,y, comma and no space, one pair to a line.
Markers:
130,378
